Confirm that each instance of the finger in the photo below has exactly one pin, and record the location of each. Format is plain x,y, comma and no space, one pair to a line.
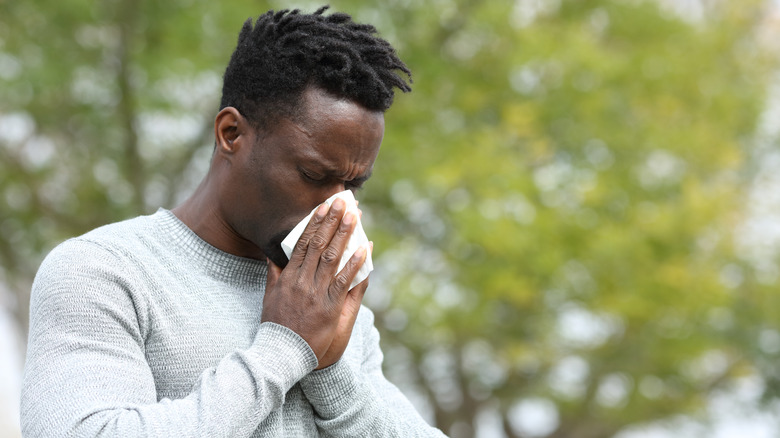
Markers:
299,251
330,259
359,290
339,286
353,300
322,236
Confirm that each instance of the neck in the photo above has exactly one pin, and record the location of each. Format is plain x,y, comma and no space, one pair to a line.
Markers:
202,213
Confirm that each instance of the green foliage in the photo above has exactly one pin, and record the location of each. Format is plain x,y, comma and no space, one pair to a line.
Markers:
580,179
553,208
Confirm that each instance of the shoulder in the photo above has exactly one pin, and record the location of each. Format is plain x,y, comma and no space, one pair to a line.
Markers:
118,236
96,257
101,245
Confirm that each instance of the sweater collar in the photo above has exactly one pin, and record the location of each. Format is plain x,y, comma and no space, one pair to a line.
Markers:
219,263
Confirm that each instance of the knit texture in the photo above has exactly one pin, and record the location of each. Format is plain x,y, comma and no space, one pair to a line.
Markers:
141,328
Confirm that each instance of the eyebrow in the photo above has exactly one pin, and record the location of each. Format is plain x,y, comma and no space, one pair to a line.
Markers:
325,171
334,172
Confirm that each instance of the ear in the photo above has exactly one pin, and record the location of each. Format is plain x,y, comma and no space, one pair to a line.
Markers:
229,127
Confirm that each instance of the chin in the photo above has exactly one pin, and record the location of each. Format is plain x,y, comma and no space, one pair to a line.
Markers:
273,250
279,259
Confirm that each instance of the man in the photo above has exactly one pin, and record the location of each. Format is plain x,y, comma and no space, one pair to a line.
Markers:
191,322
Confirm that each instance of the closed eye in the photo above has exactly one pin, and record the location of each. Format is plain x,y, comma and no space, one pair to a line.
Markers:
310,177
354,185
318,179
357,183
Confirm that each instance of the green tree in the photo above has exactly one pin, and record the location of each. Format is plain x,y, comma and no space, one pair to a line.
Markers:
566,211
553,209
109,108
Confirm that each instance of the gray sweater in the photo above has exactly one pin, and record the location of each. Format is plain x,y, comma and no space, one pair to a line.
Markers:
141,328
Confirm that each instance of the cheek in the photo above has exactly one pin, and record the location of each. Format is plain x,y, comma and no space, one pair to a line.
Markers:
280,199
282,210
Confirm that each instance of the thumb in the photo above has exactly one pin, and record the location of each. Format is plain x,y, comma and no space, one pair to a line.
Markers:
273,275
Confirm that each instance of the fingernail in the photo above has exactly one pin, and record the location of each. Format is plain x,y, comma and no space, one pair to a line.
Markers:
322,210
348,218
338,203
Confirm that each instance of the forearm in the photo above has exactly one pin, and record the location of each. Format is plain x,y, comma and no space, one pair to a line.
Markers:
100,395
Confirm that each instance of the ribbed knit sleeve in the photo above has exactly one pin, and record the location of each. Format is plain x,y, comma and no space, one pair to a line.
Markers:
87,372
355,399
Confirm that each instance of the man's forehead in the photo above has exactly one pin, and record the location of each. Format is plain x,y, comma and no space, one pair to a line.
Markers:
318,105
314,159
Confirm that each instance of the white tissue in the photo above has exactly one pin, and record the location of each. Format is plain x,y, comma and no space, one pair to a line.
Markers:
357,240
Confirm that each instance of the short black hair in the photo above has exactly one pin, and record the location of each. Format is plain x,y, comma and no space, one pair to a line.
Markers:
287,51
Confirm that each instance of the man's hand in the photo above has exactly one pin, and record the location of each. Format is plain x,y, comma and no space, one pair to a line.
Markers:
346,321
308,296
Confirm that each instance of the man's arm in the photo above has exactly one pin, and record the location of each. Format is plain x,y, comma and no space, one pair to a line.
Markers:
355,399
87,374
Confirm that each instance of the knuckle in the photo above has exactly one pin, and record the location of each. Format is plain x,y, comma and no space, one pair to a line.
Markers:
329,256
318,242
316,219
344,230
352,265
340,282
332,218
301,245
299,287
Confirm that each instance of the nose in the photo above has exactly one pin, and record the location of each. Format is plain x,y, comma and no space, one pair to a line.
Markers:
335,188
325,192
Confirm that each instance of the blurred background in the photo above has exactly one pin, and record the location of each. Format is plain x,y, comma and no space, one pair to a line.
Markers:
576,211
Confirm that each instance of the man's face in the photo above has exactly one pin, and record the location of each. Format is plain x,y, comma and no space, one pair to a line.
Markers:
298,165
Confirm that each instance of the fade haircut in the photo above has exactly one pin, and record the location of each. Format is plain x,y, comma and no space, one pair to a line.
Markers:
286,52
